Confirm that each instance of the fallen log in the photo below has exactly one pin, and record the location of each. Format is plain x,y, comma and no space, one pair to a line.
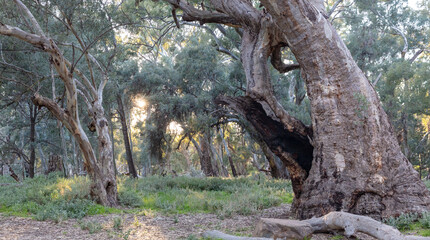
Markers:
220,235
351,224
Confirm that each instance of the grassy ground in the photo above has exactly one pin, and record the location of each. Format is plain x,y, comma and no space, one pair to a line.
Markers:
56,198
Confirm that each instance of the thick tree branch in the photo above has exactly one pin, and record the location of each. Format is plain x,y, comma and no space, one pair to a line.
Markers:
53,107
193,14
243,11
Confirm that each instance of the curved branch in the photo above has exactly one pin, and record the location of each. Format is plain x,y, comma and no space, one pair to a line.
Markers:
278,64
53,107
405,41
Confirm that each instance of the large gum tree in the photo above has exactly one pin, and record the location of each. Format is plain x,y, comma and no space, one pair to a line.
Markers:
349,159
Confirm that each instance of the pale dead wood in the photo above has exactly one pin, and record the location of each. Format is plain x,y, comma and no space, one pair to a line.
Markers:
220,235
352,224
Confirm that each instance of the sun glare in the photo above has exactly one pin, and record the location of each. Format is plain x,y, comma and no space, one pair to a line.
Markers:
175,127
138,112
140,102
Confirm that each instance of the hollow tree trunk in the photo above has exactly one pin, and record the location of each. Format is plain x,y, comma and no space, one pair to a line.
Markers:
129,154
358,165
350,160
293,148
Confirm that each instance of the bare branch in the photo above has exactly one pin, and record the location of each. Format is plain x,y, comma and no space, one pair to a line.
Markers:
175,18
377,79
416,55
334,7
405,41
220,48
53,107
38,30
90,68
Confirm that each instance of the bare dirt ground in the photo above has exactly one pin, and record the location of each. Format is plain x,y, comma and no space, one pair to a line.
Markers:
139,226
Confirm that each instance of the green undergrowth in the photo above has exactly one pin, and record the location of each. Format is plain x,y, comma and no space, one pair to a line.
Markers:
412,223
225,197
55,198
50,197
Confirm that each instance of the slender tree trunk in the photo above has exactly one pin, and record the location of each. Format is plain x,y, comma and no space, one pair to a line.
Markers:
64,151
230,160
128,151
203,151
113,141
43,160
222,169
23,158
33,115
404,141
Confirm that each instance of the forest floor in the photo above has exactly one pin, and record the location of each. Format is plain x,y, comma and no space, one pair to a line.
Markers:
139,226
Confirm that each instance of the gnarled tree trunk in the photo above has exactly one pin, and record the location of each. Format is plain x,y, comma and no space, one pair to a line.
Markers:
358,166
349,160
